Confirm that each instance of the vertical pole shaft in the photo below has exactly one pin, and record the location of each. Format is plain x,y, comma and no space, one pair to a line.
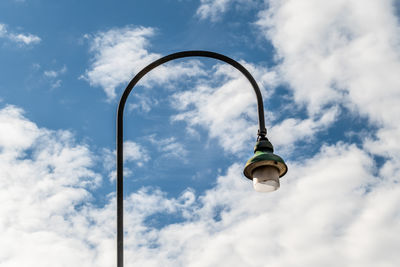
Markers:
120,195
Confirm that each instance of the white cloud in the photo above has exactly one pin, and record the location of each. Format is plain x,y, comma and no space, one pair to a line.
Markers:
133,152
44,175
120,53
53,76
228,110
285,134
214,9
224,110
3,30
169,147
19,38
341,51
142,103
337,208
329,203
25,38
16,133
55,73
332,209
46,216
344,53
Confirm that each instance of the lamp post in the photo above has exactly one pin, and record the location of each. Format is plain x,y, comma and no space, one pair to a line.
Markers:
264,168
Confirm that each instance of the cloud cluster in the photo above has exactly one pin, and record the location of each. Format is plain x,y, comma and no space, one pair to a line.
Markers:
169,147
214,9
53,76
338,207
44,177
287,132
346,53
225,105
133,153
19,38
325,205
120,53
219,103
334,201
333,56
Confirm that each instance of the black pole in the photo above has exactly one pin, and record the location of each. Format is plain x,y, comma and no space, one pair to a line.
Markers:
261,131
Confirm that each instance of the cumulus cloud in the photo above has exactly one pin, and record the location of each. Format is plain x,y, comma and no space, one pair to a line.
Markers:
19,38
336,208
55,73
221,109
332,198
337,199
169,147
142,103
53,76
44,175
214,9
227,108
227,111
133,152
47,216
287,132
342,52
335,55
120,53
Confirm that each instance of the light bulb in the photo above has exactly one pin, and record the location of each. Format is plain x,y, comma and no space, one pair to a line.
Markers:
266,179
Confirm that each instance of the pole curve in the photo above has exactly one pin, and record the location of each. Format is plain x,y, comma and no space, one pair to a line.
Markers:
195,53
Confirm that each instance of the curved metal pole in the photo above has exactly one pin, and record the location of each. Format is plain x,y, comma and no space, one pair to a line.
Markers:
261,132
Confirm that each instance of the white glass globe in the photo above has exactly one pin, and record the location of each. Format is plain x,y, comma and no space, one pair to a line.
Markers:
266,179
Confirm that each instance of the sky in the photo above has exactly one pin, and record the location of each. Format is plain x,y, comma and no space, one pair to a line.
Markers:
329,75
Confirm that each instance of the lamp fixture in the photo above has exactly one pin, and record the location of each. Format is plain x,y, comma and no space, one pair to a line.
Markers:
265,168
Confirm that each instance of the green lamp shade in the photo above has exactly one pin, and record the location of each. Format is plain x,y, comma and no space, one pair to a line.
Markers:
264,158
265,168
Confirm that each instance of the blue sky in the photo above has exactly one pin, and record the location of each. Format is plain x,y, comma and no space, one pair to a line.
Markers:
328,72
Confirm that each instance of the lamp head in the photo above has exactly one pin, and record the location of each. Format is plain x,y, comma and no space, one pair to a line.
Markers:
265,168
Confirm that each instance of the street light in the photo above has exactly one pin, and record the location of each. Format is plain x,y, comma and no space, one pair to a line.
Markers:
264,168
